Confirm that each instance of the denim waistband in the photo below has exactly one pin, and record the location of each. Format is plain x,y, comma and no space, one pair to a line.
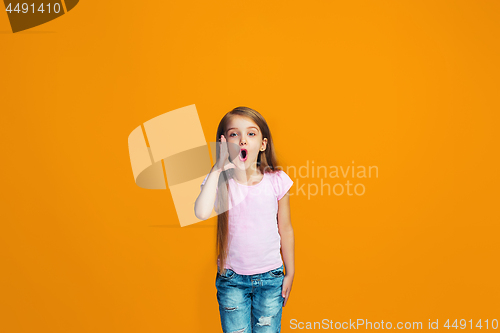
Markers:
281,268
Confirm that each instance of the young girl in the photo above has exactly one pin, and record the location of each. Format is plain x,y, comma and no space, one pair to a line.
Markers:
251,197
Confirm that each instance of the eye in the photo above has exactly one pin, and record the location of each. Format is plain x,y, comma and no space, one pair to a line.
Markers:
232,134
252,134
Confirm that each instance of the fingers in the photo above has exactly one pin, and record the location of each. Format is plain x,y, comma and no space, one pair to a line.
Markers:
285,292
223,143
224,154
286,299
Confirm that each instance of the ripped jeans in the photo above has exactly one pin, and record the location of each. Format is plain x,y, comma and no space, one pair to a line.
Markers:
250,303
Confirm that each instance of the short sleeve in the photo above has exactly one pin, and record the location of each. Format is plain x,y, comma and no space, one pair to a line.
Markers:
282,183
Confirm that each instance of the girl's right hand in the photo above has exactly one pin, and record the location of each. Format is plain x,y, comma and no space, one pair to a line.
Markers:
223,163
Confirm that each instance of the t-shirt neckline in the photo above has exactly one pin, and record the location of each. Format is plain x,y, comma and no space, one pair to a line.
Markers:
261,181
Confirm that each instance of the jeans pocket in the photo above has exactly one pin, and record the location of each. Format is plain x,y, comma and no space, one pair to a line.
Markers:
278,272
228,275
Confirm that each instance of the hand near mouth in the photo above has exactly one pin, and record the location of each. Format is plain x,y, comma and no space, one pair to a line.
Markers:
223,163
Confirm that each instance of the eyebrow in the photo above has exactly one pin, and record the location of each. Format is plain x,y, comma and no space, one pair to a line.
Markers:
247,128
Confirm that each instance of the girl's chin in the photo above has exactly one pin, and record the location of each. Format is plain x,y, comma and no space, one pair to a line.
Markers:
242,165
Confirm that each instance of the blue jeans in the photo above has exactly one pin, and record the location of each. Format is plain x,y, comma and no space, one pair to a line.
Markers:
250,303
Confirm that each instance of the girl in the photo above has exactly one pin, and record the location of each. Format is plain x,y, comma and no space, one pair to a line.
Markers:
251,197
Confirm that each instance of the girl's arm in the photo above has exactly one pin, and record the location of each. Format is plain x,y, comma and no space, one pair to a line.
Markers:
287,244
205,201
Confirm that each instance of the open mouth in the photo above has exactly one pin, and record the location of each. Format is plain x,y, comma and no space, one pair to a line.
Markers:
243,155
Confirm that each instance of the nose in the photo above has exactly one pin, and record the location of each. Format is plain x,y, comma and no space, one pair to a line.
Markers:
243,142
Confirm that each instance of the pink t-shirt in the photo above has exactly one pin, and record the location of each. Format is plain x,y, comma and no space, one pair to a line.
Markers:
254,240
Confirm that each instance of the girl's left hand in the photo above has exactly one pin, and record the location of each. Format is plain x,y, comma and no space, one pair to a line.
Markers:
287,287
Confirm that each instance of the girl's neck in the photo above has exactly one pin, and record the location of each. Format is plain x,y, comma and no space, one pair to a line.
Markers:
243,176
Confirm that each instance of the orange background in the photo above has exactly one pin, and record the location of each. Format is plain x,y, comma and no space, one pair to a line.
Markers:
411,87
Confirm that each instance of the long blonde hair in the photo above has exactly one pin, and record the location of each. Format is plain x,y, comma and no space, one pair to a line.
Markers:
266,162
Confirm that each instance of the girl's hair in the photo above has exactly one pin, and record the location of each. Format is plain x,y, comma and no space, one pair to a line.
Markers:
266,162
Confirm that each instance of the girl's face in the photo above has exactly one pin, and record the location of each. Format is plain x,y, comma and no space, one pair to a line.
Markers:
245,140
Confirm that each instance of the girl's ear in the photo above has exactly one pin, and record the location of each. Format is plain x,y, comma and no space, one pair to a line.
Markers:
263,145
